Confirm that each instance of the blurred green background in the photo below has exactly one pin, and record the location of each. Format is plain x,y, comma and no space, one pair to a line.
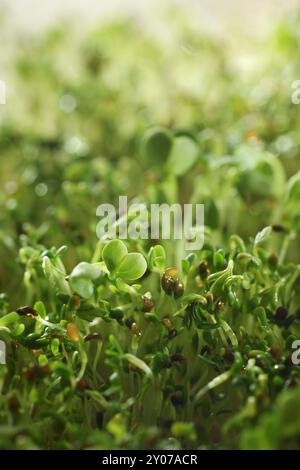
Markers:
81,95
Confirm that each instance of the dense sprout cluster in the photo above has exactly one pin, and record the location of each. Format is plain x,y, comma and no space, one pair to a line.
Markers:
139,343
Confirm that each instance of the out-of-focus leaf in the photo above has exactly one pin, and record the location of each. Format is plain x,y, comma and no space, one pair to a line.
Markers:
183,155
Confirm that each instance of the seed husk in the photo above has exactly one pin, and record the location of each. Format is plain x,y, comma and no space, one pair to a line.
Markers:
82,385
173,333
203,270
278,228
92,336
135,329
36,372
177,357
281,313
169,280
75,302
179,289
27,311
148,302
73,332
167,323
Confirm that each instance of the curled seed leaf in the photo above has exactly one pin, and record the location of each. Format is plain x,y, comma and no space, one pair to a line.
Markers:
263,235
135,361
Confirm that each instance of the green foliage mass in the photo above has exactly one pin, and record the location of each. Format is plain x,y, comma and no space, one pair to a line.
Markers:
138,343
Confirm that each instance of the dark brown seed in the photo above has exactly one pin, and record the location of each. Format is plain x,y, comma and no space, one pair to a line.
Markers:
173,333
177,357
92,336
288,360
29,373
260,362
169,280
148,302
275,351
36,372
281,313
172,272
203,269
27,311
179,289
228,356
43,370
177,399
75,302
82,385
129,322
278,228
273,260
220,305
168,285
135,329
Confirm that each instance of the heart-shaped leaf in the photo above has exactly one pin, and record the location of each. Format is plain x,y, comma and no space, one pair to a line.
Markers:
183,155
113,254
156,146
132,267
